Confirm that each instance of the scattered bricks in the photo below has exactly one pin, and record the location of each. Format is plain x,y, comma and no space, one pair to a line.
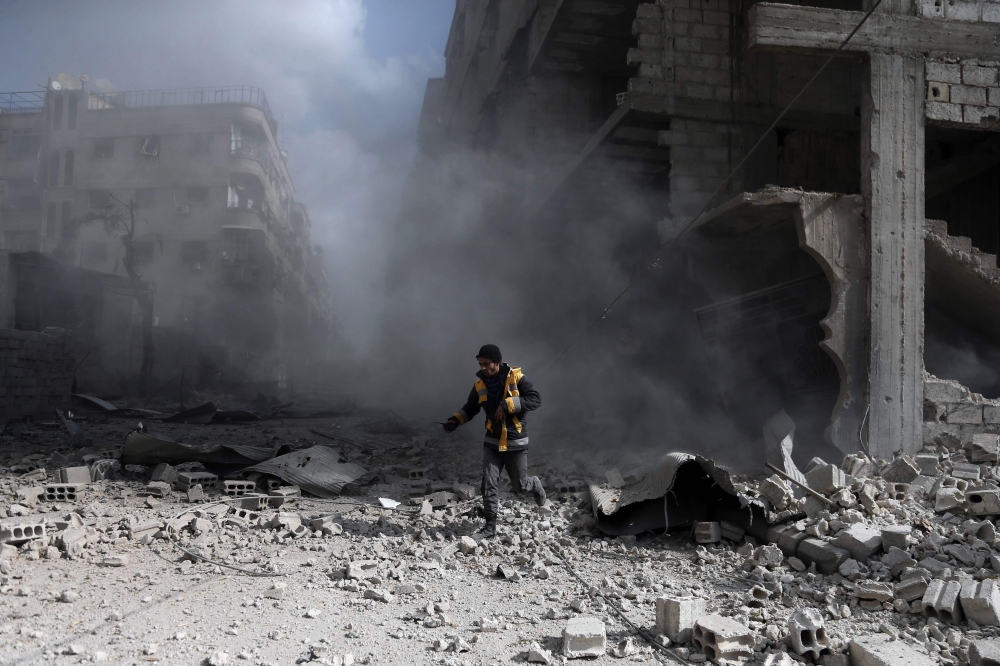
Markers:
911,589
861,541
981,601
869,589
983,503
787,538
947,499
896,536
723,638
18,532
284,495
806,633
776,491
584,636
254,503
941,600
465,491
857,465
238,487
966,471
362,569
114,560
983,447
675,616
75,475
881,650
164,472
826,556
768,555
971,414
61,492
187,479
731,531
927,462
984,652
707,532
158,488
901,470
826,479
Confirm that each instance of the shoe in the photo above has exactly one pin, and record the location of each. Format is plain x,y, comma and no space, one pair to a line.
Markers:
539,494
489,530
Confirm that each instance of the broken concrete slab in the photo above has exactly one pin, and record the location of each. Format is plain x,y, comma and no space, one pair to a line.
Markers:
981,601
584,636
881,650
861,541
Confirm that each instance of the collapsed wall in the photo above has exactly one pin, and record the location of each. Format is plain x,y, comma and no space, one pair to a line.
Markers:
36,372
953,413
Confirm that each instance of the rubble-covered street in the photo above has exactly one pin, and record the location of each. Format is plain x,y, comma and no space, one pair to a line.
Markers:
897,562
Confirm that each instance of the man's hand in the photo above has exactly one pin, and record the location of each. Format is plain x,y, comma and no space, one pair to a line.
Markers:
500,414
451,424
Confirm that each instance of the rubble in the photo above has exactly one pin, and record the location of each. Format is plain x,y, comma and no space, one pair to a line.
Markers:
584,636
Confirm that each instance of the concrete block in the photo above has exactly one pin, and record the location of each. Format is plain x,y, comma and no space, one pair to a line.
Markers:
675,616
17,531
731,531
278,497
187,479
966,471
983,447
806,633
941,600
362,569
61,492
880,650
861,541
897,536
869,589
901,470
984,652
981,601
75,475
826,478
858,466
777,491
164,472
946,72
897,560
927,462
910,590
826,556
786,537
982,503
964,413
991,14
975,75
991,413
723,638
938,92
768,555
584,636
196,493
947,499
943,111
238,487
707,532
158,488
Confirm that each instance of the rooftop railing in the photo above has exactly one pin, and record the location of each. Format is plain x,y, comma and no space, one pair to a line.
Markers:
137,99
22,102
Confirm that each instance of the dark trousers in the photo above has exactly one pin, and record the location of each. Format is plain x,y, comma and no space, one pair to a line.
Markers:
516,464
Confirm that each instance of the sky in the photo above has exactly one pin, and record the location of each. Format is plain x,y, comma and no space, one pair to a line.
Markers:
345,79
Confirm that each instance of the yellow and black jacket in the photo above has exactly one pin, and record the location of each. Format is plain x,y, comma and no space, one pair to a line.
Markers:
519,397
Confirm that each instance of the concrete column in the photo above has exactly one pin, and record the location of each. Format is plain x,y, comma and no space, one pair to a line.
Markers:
892,180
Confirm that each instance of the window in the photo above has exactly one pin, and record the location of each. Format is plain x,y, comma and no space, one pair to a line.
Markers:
95,253
143,252
67,217
236,245
145,197
54,169
24,143
57,111
201,144
100,198
245,191
68,168
197,195
149,145
194,254
50,219
71,112
21,195
104,147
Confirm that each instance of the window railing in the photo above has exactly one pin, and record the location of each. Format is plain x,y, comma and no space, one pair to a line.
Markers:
254,150
137,99
22,102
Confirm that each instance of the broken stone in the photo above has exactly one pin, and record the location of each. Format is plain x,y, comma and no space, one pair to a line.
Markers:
984,652
584,636
777,491
861,541
806,633
901,470
981,602
868,589
538,655
508,572
966,471
880,650
826,556
826,479
158,488
675,616
768,556
467,545
896,536
984,447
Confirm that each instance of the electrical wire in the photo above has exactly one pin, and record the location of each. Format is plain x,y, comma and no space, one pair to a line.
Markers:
663,248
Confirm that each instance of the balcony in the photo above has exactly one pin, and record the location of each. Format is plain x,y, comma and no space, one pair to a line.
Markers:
22,102
138,99
254,150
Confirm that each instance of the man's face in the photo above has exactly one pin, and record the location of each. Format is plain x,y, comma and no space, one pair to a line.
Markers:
489,368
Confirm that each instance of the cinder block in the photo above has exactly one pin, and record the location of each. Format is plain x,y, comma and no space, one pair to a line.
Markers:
164,472
974,114
18,531
983,447
707,532
942,600
975,75
75,475
723,638
938,92
927,462
981,601
857,465
675,616
966,471
869,589
896,536
284,495
901,470
254,503
984,652
826,556
787,538
880,650
806,633
584,636
911,589
187,479
158,488
238,487
826,479
861,541
982,503
964,414
61,492
991,413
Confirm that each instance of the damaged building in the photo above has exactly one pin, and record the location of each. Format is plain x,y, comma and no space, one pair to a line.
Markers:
220,240
854,248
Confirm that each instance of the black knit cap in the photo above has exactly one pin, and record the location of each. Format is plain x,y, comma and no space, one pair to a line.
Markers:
491,352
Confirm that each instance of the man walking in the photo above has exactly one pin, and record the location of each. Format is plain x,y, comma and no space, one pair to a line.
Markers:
506,396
